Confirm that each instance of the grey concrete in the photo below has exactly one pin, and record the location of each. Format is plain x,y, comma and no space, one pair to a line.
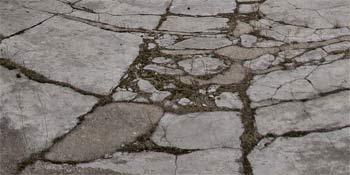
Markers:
202,7
330,111
67,51
33,114
174,87
199,130
192,24
93,138
316,153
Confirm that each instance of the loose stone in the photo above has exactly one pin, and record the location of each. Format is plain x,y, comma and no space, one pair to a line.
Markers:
229,100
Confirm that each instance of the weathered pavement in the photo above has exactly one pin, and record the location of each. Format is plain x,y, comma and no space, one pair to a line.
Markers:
175,87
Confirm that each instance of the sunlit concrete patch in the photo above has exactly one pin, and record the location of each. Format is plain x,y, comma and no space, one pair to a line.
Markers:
121,7
313,13
316,153
291,33
304,116
147,163
202,7
51,6
124,21
193,24
201,43
241,53
229,100
44,168
213,161
34,114
72,52
201,130
105,130
301,83
15,18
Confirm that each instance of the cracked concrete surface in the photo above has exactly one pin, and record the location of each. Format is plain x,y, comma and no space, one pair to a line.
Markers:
174,87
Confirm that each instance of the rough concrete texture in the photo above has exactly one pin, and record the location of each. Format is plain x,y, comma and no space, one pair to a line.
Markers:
203,8
301,83
18,18
193,24
147,163
241,53
148,22
63,50
44,168
213,161
202,65
199,130
316,153
105,130
312,14
120,7
201,43
324,112
33,114
174,87
233,75
229,100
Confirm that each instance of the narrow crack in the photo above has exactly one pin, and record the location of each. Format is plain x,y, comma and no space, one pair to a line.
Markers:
306,132
164,16
176,167
24,30
32,75
41,155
